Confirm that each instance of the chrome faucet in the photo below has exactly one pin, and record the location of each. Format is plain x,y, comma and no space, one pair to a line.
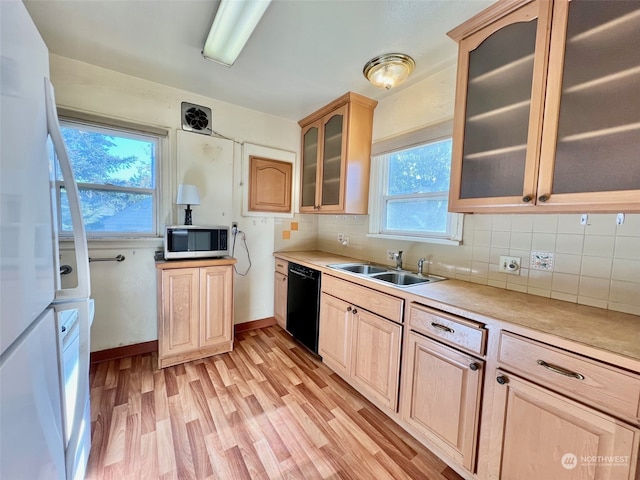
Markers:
421,265
398,258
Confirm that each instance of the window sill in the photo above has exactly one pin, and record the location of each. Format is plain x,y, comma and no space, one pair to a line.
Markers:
409,238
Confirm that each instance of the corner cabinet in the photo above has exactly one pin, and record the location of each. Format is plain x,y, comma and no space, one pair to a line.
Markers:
195,309
336,151
546,115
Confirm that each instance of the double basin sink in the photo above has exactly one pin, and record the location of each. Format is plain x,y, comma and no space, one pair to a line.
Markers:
399,278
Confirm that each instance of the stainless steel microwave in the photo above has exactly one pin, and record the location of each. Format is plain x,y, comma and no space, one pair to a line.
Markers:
191,241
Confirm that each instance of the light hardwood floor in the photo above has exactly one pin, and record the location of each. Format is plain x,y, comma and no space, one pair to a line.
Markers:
266,410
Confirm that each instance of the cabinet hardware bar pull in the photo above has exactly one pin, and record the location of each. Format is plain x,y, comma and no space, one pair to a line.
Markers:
442,327
560,370
118,258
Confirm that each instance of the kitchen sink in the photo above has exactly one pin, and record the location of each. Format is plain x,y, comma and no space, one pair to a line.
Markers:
387,275
405,279
364,269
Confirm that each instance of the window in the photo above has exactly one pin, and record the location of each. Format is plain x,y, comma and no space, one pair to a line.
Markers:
411,186
116,170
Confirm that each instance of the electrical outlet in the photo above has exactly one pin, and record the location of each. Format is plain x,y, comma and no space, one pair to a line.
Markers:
340,237
345,241
510,265
391,254
234,228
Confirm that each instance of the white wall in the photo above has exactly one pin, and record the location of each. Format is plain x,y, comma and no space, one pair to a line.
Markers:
125,293
597,264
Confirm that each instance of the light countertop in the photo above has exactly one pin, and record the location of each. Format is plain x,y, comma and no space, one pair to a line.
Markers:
606,330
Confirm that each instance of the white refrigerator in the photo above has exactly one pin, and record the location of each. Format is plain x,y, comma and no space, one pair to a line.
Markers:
44,329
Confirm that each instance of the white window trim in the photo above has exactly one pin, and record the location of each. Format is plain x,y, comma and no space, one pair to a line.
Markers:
379,178
163,177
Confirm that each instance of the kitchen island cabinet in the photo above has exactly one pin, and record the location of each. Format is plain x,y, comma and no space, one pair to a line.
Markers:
336,151
546,116
195,309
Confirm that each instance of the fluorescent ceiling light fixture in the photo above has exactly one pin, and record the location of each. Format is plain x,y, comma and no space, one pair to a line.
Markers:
233,25
387,71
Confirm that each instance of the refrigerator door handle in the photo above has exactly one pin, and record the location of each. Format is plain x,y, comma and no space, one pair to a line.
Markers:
83,289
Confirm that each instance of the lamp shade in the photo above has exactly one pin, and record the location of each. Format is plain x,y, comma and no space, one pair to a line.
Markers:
188,195
387,71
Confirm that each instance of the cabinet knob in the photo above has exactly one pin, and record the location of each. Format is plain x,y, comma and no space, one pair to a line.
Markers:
349,309
501,379
543,198
526,198
473,367
355,311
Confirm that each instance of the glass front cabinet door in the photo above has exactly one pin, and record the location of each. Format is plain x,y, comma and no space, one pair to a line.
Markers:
336,151
547,115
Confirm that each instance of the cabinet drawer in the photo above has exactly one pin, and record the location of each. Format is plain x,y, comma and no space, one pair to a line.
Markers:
460,332
376,302
572,375
282,266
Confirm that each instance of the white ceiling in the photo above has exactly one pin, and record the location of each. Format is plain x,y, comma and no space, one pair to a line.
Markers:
302,55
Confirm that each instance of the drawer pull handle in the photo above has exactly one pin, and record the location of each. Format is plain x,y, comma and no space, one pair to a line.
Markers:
501,379
473,367
561,371
355,311
444,328
349,309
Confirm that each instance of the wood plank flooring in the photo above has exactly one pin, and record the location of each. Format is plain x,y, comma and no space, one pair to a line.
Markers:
266,410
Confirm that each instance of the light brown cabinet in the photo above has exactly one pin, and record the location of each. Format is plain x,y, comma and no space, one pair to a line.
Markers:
562,416
441,385
545,116
336,151
281,283
357,343
269,185
542,434
195,310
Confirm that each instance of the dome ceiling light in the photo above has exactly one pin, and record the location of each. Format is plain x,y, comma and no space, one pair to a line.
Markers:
389,70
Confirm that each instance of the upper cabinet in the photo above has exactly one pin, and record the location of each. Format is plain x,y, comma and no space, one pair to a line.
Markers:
336,151
546,115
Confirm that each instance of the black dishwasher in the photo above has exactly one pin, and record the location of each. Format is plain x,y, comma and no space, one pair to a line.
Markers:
303,305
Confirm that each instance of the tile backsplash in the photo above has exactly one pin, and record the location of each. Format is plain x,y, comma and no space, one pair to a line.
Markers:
596,264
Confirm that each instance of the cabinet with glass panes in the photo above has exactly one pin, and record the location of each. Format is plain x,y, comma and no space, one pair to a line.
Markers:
336,151
547,116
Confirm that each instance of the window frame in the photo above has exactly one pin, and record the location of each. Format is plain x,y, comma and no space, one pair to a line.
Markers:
126,130
379,197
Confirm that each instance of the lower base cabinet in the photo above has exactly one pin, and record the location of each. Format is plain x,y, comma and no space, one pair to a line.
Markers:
441,391
362,347
544,435
195,312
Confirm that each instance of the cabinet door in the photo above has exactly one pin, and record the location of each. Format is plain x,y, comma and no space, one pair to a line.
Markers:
441,396
376,356
498,112
310,167
592,117
180,311
269,185
544,435
334,343
333,160
216,311
280,299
